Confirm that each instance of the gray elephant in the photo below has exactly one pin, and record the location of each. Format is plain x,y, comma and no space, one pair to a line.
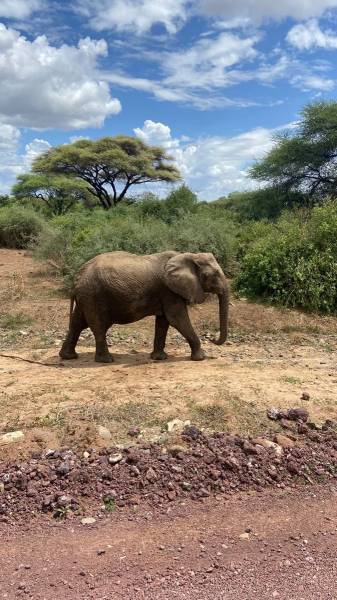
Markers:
118,287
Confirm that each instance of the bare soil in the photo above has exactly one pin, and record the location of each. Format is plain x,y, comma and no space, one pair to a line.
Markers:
244,541
188,552
272,356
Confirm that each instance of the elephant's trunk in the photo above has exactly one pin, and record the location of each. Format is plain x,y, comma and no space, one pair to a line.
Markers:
223,317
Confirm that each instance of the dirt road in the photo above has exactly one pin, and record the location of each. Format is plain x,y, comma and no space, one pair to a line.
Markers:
192,551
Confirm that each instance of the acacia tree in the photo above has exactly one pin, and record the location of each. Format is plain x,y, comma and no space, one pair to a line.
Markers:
304,159
58,192
109,166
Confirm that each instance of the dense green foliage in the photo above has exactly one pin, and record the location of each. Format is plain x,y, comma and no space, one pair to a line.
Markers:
304,159
58,193
109,166
294,262
74,238
19,226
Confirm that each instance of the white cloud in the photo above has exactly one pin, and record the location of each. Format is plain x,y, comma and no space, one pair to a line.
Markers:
43,86
309,35
207,63
133,15
12,162
211,166
258,10
18,9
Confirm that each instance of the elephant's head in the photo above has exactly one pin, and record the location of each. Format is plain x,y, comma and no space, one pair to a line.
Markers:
192,276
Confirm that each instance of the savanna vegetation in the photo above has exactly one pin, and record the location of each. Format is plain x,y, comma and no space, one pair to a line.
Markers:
278,242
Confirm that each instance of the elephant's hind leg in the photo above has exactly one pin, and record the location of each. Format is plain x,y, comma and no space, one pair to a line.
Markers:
162,326
76,326
99,324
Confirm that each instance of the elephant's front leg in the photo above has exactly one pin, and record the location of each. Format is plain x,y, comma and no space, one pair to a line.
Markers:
177,316
161,328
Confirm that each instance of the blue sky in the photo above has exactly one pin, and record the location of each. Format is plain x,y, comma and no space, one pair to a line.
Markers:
211,80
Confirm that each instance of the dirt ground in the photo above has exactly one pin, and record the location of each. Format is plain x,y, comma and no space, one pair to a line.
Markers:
272,356
279,545
271,543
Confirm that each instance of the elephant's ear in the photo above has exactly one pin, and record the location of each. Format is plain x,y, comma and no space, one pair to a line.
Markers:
181,276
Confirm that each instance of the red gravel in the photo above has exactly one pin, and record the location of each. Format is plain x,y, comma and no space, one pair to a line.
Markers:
190,551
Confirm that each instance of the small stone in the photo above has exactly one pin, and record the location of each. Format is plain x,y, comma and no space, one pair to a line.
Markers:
175,425
274,414
2,487
134,432
151,475
287,563
297,414
305,396
191,431
86,454
104,433
244,536
63,468
115,458
88,520
100,552
11,437
284,441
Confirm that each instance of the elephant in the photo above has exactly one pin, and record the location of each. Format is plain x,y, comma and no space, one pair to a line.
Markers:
120,287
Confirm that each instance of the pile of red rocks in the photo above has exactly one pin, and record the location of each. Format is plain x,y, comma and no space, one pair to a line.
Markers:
60,482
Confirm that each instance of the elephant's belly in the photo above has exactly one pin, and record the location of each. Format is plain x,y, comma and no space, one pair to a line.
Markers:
123,313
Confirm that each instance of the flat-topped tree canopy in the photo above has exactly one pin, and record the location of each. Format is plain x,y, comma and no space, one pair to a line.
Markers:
109,166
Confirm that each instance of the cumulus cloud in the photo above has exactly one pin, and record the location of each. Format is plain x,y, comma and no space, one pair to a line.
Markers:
257,11
18,9
12,162
133,15
43,86
207,62
211,166
306,36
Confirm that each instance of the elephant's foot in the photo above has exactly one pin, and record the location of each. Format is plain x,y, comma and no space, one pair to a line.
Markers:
159,355
104,358
68,354
198,355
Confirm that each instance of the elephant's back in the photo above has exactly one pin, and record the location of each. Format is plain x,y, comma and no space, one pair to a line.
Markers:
122,272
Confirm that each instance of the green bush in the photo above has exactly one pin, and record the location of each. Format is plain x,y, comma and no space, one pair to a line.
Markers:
72,239
19,227
295,262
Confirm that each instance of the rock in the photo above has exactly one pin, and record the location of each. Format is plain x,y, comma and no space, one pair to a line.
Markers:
88,520
134,432
274,414
305,396
244,536
186,486
115,458
249,448
297,414
177,450
63,501
86,454
268,444
104,433
191,431
175,425
63,468
2,488
151,475
293,468
11,437
284,441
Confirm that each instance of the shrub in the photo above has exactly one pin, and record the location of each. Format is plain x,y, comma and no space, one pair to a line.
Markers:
71,239
295,262
19,227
